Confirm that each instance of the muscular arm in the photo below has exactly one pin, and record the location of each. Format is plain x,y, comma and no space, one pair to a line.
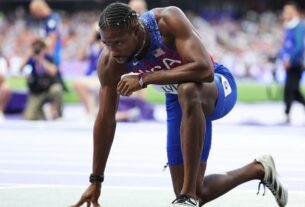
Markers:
198,68
105,124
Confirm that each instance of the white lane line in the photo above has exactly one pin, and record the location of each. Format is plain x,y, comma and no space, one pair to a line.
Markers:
27,186
77,163
30,172
73,173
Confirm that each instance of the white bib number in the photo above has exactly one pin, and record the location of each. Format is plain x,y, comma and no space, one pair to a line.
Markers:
170,88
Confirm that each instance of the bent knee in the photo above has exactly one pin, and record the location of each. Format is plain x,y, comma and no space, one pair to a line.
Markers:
56,89
188,92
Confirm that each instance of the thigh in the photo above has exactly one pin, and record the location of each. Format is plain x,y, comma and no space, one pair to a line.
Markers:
209,96
54,90
34,105
205,93
292,81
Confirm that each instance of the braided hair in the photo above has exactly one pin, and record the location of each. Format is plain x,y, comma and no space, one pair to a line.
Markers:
117,14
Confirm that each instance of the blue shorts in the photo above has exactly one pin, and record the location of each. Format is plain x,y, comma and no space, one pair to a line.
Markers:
227,95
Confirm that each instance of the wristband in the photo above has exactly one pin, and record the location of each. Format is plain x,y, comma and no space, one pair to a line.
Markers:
141,82
96,178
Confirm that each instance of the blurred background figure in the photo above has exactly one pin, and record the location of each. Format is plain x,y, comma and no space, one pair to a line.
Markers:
140,6
239,36
292,55
49,29
88,87
5,90
43,85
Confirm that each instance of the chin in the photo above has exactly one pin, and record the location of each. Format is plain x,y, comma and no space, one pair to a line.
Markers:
123,59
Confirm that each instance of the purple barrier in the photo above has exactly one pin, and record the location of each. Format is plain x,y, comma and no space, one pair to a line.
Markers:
17,102
146,109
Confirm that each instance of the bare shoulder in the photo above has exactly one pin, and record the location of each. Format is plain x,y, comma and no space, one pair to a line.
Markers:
108,70
172,20
166,12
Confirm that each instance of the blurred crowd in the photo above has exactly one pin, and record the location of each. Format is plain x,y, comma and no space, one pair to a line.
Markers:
48,46
18,30
248,46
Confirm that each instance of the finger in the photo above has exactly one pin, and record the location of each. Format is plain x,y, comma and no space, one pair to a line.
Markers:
120,87
122,90
125,90
119,84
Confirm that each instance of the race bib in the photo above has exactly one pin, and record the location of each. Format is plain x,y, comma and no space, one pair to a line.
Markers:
226,86
170,88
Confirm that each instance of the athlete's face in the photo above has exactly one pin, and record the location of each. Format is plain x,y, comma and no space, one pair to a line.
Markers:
122,43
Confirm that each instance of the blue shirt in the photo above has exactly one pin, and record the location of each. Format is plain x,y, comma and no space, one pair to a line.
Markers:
50,25
159,56
293,45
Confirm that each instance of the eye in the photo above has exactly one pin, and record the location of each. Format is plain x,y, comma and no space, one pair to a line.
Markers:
106,43
118,43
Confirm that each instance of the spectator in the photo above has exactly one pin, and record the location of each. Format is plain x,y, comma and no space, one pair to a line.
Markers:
292,55
49,30
88,87
5,91
43,84
140,6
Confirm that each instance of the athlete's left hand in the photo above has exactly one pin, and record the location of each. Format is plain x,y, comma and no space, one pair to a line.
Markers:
128,84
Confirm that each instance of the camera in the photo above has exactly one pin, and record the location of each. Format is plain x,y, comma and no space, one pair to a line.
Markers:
97,36
38,46
37,49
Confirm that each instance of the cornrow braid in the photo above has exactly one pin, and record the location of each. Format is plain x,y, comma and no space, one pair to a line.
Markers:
117,14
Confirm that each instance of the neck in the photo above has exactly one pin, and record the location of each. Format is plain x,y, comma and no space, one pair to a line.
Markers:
292,23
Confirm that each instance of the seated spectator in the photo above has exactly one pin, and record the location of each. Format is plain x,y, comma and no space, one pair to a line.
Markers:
43,84
5,91
88,86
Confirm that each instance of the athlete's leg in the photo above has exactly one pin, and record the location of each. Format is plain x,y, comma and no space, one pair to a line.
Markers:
213,186
196,101
176,156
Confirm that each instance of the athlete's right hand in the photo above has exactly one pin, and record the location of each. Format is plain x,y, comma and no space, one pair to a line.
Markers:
90,196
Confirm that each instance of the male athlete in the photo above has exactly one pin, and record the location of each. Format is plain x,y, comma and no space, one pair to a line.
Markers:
163,48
